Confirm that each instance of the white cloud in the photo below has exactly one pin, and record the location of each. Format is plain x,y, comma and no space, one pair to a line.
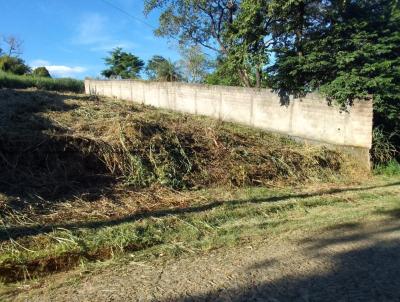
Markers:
94,32
59,70
65,71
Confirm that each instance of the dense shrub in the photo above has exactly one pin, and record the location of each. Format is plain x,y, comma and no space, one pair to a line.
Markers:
390,168
13,65
41,72
384,150
8,80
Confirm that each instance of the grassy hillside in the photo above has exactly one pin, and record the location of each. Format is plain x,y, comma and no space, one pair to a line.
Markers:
88,162
8,80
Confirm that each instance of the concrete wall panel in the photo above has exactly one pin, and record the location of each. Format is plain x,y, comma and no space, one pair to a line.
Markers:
236,107
270,114
309,118
208,101
185,98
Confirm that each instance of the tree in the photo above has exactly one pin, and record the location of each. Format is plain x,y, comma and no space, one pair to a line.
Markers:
13,65
235,29
345,49
198,22
170,72
224,74
41,72
294,21
336,38
14,45
154,66
122,65
248,42
160,69
195,64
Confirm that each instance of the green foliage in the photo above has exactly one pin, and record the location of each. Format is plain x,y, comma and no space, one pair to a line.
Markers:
13,65
160,69
346,50
390,168
369,63
122,65
199,22
247,43
8,80
194,22
153,66
224,74
195,64
383,149
41,72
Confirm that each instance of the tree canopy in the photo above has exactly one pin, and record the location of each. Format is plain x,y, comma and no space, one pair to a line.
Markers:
198,22
194,63
13,65
160,69
122,65
201,22
223,74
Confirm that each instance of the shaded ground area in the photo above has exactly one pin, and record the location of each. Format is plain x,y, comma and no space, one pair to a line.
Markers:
15,232
350,262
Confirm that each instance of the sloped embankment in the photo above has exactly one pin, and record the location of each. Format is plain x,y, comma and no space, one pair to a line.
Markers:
52,144
68,160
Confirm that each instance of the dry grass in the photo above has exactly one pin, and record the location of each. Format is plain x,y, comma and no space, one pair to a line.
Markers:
70,159
66,147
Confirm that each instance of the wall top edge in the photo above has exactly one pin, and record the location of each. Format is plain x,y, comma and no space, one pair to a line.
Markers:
248,90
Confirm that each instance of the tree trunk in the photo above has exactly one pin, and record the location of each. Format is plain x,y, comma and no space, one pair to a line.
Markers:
244,78
258,78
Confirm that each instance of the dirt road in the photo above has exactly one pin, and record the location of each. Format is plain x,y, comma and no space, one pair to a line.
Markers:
353,262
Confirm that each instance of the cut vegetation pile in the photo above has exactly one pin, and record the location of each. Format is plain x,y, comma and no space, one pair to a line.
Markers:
52,144
68,158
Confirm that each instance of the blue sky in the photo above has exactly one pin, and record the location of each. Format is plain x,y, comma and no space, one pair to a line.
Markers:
71,37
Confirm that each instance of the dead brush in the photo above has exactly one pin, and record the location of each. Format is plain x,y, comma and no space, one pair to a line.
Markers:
59,146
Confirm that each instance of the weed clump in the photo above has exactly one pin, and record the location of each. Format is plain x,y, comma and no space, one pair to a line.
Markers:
391,168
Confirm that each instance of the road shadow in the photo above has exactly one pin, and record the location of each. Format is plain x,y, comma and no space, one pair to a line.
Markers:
363,272
394,214
15,232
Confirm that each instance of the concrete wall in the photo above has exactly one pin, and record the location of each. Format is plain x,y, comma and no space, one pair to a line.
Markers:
309,118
